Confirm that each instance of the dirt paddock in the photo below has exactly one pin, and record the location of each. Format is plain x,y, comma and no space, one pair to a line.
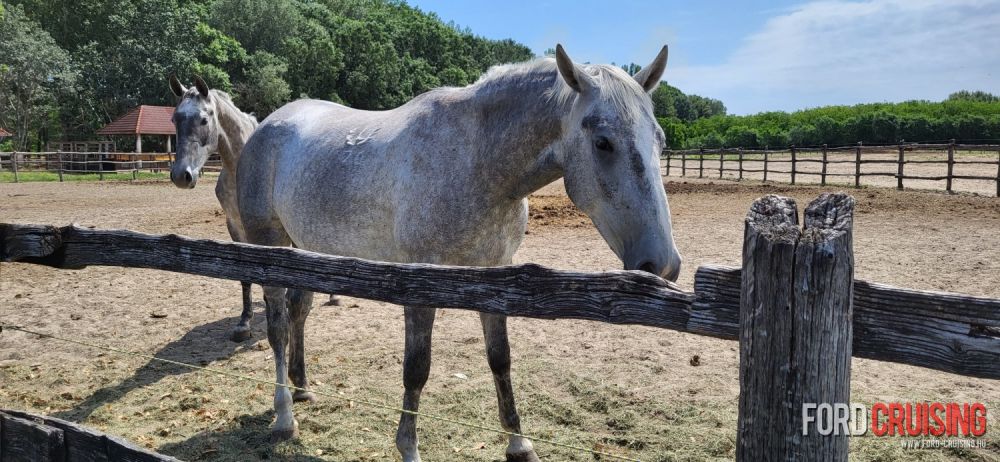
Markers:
652,394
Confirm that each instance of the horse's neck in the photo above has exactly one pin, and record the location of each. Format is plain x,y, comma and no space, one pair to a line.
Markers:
521,126
235,129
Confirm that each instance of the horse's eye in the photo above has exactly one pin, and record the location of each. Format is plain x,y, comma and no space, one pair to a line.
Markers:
204,121
603,144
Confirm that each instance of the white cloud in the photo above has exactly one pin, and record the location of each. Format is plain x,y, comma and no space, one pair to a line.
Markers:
842,52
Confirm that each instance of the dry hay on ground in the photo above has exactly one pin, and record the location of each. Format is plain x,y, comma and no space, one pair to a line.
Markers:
628,390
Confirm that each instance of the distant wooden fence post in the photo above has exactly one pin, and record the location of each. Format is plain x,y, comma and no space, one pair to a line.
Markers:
667,173
60,164
822,176
795,328
100,167
701,163
899,171
793,163
740,154
135,168
684,163
13,164
722,159
765,163
998,173
951,163
857,166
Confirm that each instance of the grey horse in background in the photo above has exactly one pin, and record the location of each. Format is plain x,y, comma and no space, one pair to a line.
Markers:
207,121
444,179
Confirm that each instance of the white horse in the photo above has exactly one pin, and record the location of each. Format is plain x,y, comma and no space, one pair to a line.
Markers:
444,179
207,121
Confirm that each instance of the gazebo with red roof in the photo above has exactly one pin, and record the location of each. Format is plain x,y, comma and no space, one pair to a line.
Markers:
143,120
5,133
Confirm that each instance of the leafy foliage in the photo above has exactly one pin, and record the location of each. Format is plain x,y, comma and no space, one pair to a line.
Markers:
33,72
964,116
100,58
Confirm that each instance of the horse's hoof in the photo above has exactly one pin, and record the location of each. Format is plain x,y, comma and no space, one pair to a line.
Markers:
334,301
303,395
240,334
527,456
284,434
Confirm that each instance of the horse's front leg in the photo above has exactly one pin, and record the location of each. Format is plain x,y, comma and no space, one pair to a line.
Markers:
285,426
519,448
224,191
299,306
242,330
416,368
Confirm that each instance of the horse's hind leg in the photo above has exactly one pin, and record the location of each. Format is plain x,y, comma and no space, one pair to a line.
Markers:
299,305
285,426
498,355
416,368
264,229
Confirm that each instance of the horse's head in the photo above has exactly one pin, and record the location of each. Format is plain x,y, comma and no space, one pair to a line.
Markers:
610,157
197,127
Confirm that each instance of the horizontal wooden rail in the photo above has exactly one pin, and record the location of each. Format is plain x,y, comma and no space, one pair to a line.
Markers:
949,332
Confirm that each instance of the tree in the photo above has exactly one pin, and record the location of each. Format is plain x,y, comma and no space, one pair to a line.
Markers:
33,70
980,96
264,88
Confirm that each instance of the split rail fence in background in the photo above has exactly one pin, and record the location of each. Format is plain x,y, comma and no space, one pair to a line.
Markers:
65,163
795,293
845,164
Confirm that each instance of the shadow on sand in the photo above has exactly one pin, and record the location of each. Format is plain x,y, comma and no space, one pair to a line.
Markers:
246,439
201,345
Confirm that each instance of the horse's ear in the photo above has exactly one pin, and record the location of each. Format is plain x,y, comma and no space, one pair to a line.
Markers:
200,84
574,76
176,87
649,76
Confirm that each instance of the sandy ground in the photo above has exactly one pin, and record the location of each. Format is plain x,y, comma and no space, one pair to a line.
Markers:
628,390
841,169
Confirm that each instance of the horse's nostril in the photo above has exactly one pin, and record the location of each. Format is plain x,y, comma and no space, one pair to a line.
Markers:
188,177
648,267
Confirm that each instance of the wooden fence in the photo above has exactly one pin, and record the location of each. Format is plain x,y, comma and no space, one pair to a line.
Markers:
795,293
794,163
27,437
65,163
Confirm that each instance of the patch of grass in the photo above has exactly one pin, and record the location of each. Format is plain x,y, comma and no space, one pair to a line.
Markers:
35,176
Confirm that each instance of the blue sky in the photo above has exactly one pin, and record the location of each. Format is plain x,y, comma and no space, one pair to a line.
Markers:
766,55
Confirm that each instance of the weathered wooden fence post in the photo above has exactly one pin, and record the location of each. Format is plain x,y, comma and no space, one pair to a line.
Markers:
857,166
100,167
793,163
684,163
822,176
998,173
135,167
951,163
667,172
13,160
722,160
740,154
900,162
59,153
701,162
765,163
795,327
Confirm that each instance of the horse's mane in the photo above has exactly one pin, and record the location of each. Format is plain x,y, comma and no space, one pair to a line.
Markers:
617,86
225,98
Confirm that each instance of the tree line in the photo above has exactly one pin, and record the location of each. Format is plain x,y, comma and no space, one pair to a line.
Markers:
969,117
67,68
